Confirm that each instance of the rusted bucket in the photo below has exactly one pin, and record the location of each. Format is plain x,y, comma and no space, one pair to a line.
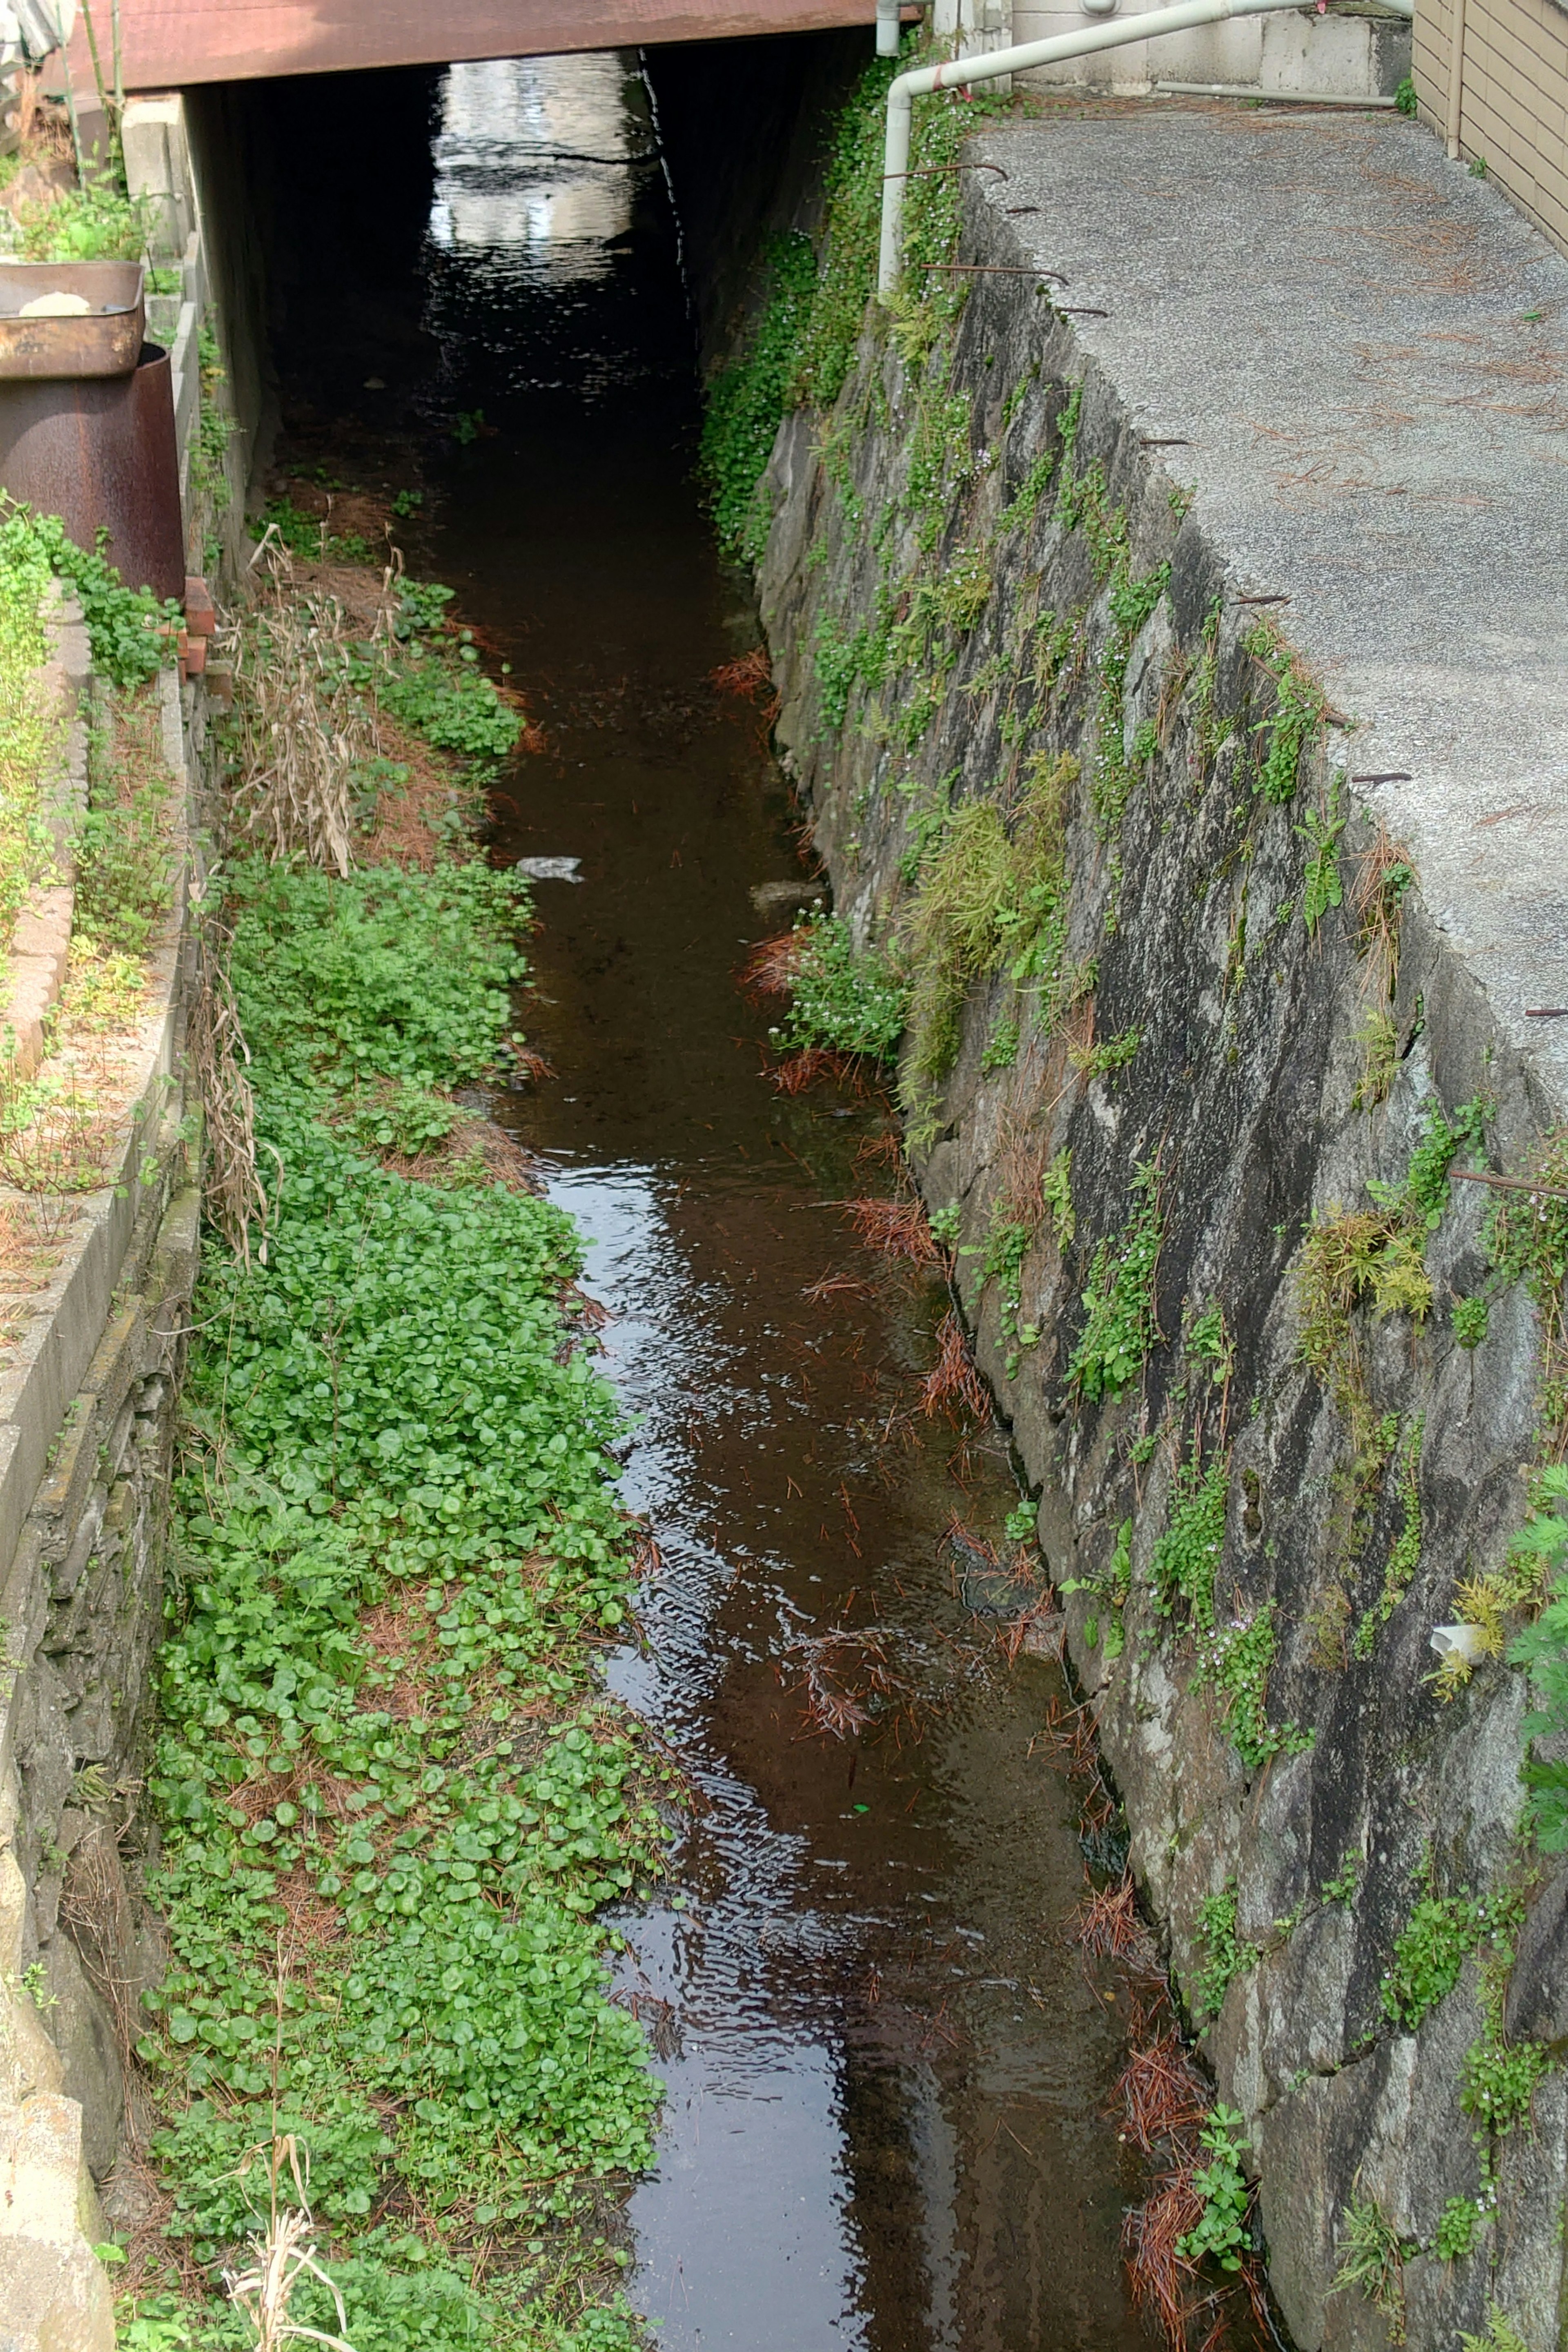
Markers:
99,452
103,341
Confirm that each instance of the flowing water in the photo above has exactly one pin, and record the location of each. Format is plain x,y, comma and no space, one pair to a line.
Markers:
887,2063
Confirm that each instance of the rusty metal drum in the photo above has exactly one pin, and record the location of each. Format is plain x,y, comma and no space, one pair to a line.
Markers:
99,452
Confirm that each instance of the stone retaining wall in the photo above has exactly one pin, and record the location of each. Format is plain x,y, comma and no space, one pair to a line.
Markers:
1245,1080
95,1343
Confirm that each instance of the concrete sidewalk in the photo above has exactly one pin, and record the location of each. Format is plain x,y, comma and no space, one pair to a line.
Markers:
1366,351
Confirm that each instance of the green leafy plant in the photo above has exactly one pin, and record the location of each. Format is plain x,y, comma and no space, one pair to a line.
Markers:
1119,1327
842,1001
1222,1955
1458,2226
1300,707
1404,1552
746,400
1377,1256
132,636
1431,1950
399,1542
125,862
1404,96
1342,1887
1320,885
1185,1560
1110,1054
987,897
448,699
1500,2336
1541,1552
32,728
1002,1046
1222,2233
1501,2080
1468,1320
1115,1588
97,222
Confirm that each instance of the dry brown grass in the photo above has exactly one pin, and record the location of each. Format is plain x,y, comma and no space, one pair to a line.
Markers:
303,732
837,1285
848,1681
751,680
1106,1925
811,1066
233,1193
1375,897
1160,2094
952,1385
1162,2276
748,675
770,969
894,1229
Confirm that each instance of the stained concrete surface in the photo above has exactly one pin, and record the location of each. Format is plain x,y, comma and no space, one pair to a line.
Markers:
1364,351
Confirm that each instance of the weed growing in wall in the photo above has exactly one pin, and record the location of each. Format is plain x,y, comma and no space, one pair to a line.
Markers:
1008,1240
1527,1241
1432,1948
1459,2224
1301,708
1542,1649
1223,1956
985,898
1377,1257
1404,1552
125,869
746,400
1372,2259
1119,1303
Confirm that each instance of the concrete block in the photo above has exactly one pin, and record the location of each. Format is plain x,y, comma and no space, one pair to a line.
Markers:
117,1361
54,2300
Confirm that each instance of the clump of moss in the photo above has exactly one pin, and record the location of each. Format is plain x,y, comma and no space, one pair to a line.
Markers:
987,895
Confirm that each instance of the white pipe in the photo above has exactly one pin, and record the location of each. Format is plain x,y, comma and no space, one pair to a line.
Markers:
888,29
959,72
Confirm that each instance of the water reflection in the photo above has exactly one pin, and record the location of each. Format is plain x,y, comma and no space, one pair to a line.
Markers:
517,168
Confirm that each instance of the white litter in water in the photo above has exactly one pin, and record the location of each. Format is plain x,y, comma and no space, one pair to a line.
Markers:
56,306
550,869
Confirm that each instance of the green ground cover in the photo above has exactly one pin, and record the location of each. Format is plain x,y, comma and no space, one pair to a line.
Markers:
391,1795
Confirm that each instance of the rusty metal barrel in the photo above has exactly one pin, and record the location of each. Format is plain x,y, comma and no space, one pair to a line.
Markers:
94,443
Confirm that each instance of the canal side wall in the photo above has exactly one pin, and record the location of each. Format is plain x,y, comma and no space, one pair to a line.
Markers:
96,1319
1262,1023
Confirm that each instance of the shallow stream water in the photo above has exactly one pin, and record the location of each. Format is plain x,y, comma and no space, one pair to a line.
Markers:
886,2058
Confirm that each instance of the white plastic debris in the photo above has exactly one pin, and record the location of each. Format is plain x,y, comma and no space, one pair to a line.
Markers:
1465,1642
550,869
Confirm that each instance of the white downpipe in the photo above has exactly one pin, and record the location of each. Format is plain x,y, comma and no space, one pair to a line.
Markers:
888,28
961,71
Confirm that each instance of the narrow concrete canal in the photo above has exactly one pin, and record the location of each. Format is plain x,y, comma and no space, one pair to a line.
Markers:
887,2060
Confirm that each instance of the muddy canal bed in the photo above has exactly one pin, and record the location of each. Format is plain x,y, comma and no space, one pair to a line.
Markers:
887,2060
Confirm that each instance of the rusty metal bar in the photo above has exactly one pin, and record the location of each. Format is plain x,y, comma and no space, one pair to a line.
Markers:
170,43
